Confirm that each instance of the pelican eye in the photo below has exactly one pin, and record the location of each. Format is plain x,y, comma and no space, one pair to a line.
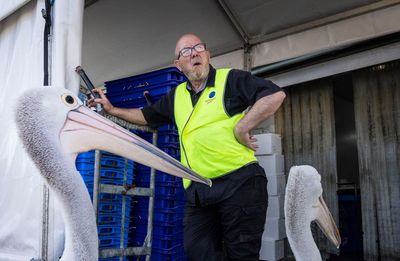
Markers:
69,100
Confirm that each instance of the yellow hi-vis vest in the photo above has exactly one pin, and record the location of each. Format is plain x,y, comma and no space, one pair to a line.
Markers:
207,140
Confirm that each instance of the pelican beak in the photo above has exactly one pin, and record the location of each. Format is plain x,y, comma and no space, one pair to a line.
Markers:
326,223
86,130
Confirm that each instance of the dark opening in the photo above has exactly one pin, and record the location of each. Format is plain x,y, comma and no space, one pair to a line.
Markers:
350,223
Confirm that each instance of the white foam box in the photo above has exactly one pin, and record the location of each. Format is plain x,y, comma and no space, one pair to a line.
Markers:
272,164
275,207
275,228
276,184
268,143
272,250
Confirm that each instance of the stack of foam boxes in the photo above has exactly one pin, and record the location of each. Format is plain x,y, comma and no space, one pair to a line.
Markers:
114,170
167,237
269,155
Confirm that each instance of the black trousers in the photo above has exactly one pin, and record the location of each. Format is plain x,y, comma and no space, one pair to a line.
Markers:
230,229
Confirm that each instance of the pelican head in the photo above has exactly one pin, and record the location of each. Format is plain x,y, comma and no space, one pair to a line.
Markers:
54,126
304,204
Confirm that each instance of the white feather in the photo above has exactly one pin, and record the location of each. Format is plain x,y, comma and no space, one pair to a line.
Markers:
302,192
40,115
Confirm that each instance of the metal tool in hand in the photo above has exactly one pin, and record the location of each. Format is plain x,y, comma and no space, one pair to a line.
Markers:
89,86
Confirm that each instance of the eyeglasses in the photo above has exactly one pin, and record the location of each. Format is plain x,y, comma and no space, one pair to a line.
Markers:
187,51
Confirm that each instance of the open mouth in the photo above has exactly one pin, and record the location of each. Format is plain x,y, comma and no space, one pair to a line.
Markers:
196,63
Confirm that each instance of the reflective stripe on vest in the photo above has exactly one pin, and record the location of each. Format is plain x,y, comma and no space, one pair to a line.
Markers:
207,141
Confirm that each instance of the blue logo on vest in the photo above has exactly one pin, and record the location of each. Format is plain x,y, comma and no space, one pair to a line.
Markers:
211,97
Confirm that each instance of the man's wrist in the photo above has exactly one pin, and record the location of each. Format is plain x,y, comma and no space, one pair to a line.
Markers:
111,110
241,128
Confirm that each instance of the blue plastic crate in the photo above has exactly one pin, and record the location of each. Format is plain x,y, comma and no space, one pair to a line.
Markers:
88,165
162,190
161,242
137,94
88,154
106,197
172,150
141,224
113,198
164,139
180,192
144,80
161,215
163,128
116,182
106,219
158,184
91,154
159,203
85,162
146,184
110,230
159,229
167,127
112,241
128,86
106,161
108,176
115,162
115,173
113,259
175,253
137,103
143,176
118,199
132,104
114,207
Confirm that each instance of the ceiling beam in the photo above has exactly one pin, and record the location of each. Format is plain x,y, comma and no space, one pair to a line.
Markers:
323,21
232,18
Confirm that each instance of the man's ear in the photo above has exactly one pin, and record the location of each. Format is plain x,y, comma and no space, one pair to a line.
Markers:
176,62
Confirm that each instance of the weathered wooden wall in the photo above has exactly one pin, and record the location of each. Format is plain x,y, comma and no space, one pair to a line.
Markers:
307,124
377,114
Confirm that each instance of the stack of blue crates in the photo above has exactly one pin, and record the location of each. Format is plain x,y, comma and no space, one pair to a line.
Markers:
112,171
128,92
167,237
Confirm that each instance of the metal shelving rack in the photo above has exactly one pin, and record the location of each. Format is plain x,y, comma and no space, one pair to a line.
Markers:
126,191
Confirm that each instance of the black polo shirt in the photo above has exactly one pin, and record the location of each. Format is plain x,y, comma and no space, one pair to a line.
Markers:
241,91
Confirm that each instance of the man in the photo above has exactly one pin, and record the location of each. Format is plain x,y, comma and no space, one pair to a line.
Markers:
225,221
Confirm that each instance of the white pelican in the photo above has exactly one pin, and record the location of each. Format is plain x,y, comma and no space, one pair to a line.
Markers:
54,126
303,204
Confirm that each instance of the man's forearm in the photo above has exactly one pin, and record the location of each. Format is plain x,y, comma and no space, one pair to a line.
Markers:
134,116
261,110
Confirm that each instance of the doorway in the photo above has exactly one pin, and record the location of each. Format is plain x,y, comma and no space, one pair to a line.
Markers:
348,127
348,193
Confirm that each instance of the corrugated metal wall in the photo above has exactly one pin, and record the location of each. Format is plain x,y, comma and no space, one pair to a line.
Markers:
377,113
307,124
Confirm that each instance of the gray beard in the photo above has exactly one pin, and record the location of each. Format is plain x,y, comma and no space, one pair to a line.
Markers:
198,75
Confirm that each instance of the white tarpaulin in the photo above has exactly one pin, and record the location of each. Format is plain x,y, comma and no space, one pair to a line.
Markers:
8,7
21,68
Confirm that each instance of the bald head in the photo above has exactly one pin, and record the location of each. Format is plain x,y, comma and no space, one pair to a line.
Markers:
186,40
